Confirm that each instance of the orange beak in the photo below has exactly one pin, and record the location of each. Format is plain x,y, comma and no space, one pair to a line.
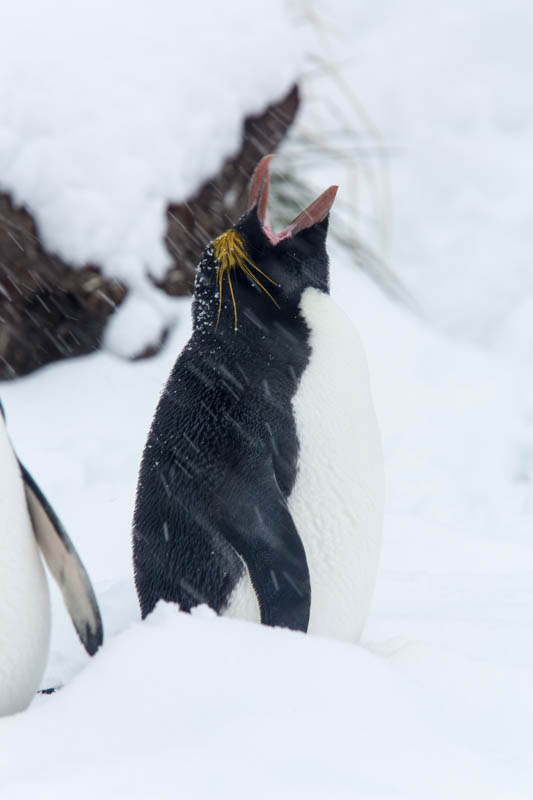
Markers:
258,198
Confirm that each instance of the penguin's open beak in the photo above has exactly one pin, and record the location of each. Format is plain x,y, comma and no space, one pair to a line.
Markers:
258,198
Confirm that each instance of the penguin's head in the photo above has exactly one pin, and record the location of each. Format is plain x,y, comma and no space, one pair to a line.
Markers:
249,272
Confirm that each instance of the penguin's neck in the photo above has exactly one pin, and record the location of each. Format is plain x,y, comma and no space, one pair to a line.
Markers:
259,342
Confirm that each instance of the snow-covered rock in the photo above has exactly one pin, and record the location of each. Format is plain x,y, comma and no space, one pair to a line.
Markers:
108,111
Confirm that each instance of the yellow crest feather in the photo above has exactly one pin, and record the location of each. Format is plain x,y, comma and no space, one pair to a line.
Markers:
230,253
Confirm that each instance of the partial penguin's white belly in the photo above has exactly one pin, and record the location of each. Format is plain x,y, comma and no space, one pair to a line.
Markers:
24,600
337,500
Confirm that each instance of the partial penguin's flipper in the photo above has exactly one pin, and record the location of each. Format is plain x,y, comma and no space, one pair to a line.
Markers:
65,565
265,536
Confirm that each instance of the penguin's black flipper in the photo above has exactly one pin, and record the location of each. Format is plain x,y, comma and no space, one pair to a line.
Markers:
65,565
263,533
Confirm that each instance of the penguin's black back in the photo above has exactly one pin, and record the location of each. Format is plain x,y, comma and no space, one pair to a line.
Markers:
222,453
220,462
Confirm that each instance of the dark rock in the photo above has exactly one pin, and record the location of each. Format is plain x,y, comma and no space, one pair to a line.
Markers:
50,311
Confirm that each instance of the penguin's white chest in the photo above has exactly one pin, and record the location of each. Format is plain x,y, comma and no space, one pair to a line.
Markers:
338,496
24,601
337,499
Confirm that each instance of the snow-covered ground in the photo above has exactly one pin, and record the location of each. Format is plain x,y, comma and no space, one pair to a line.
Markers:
437,700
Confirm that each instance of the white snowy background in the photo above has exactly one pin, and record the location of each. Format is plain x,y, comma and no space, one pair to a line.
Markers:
437,699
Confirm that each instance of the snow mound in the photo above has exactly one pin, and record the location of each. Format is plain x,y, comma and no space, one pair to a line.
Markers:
110,110
198,706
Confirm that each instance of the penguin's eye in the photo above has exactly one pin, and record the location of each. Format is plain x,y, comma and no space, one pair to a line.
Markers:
229,251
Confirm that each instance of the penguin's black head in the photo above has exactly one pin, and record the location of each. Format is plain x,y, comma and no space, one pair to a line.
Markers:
249,272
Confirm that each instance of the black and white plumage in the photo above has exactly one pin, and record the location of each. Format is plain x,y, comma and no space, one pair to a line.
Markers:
28,526
261,485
